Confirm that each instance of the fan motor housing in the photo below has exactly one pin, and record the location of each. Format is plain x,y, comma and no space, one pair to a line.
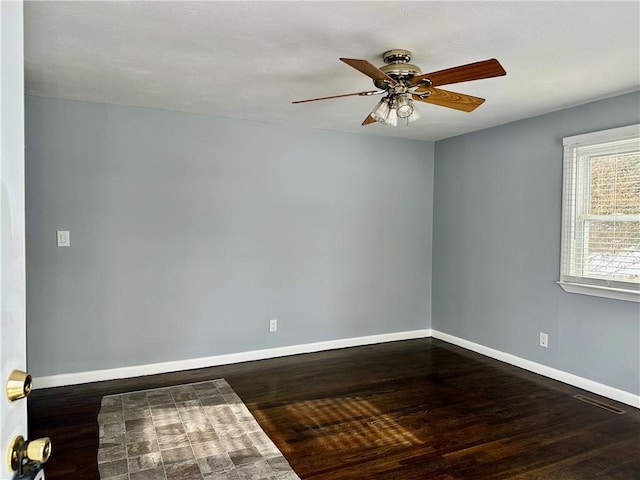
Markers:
397,66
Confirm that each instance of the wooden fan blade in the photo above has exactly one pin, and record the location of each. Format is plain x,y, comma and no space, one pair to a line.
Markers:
369,120
369,70
361,94
464,73
445,98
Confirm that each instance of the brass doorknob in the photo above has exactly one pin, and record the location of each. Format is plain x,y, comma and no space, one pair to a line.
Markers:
38,450
18,385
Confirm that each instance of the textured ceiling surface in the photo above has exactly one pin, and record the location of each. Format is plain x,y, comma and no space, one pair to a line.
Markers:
250,60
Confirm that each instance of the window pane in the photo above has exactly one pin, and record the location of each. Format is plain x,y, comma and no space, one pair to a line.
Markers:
615,185
612,250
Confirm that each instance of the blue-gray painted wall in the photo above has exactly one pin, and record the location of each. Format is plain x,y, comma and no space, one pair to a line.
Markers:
190,232
496,248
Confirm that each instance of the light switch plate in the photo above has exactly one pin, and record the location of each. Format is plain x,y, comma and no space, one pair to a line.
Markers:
64,240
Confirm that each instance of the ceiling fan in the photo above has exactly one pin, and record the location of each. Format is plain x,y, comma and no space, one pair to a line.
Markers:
403,82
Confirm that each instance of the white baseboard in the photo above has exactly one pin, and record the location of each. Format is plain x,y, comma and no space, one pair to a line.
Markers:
565,377
178,365
165,367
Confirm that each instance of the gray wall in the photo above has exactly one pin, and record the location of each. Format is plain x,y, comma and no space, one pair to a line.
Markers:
496,248
188,233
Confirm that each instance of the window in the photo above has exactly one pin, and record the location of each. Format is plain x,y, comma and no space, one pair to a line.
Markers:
601,214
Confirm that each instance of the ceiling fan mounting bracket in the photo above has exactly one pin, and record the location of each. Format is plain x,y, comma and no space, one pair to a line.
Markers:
396,56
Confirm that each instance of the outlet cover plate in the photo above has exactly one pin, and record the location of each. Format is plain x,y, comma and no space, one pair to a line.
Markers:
544,340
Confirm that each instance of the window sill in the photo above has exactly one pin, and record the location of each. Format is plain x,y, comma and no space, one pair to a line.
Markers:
597,291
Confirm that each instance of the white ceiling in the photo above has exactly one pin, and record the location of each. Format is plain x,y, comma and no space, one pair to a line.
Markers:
249,60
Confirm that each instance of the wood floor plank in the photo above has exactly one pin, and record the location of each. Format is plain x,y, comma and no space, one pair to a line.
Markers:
417,409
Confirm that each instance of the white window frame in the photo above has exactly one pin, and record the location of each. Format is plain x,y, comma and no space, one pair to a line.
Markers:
569,280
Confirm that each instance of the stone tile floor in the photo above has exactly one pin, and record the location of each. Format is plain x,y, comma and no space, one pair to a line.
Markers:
199,431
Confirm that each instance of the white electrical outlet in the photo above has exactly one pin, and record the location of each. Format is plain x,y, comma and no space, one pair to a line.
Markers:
273,325
544,340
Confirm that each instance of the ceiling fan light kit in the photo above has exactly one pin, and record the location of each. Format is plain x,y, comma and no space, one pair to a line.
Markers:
403,83
392,107
381,111
392,118
404,106
415,115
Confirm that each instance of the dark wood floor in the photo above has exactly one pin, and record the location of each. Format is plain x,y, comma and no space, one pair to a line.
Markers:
418,409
